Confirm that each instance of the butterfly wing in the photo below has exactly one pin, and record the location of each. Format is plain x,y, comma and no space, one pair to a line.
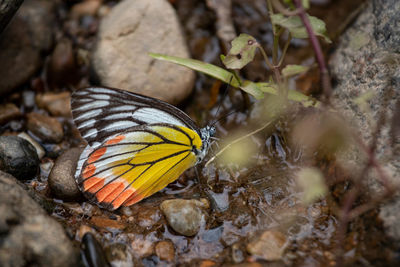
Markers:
100,113
133,165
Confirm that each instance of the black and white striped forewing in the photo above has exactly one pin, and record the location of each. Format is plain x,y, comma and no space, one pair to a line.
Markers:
101,112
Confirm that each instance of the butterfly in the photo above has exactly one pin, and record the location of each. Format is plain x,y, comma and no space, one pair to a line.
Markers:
137,145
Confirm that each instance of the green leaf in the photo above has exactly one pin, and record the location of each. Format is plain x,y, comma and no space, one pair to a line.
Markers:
312,183
296,27
293,95
242,52
206,68
291,70
252,89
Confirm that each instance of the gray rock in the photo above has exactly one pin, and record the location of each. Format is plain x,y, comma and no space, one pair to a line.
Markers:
184,216
387,25
18,157
46,128
127,34
368,62
61,179
28,235
29,34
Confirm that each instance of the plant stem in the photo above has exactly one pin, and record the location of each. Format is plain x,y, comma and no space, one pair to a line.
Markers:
285,49
325,78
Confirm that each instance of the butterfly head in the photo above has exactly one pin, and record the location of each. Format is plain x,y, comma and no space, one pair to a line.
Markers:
205,133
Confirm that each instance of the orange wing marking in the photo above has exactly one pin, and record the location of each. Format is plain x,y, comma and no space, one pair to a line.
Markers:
115,140
93,184
110,191
97,154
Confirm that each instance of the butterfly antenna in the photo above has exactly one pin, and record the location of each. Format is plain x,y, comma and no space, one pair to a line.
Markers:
225,86
223,117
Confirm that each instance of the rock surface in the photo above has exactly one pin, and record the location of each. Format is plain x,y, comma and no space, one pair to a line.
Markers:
48,129
184,216
29,34
18,157
28,235
127,34
62,176
367,61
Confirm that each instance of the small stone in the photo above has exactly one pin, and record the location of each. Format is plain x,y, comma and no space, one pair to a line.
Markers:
28,98
269,246
57,104
127,34
8,112
48,129
62,67
118,255
62,176
102,222
184,216
85,8
165,250
142,246
18,157
39,149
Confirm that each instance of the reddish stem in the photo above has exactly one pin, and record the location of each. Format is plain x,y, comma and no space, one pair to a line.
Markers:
326,83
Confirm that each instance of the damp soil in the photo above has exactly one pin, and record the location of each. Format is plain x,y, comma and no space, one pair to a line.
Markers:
244,201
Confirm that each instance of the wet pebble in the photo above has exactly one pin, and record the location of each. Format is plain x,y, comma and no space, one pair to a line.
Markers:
118,255
102,222
184,216
62,67
142,246
85,8
92,252
62,176
46,128
18,157
270,245
165,250
58,104
28,98
8,112
39,149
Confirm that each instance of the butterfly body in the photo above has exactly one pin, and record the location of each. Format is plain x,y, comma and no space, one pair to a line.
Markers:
137,145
